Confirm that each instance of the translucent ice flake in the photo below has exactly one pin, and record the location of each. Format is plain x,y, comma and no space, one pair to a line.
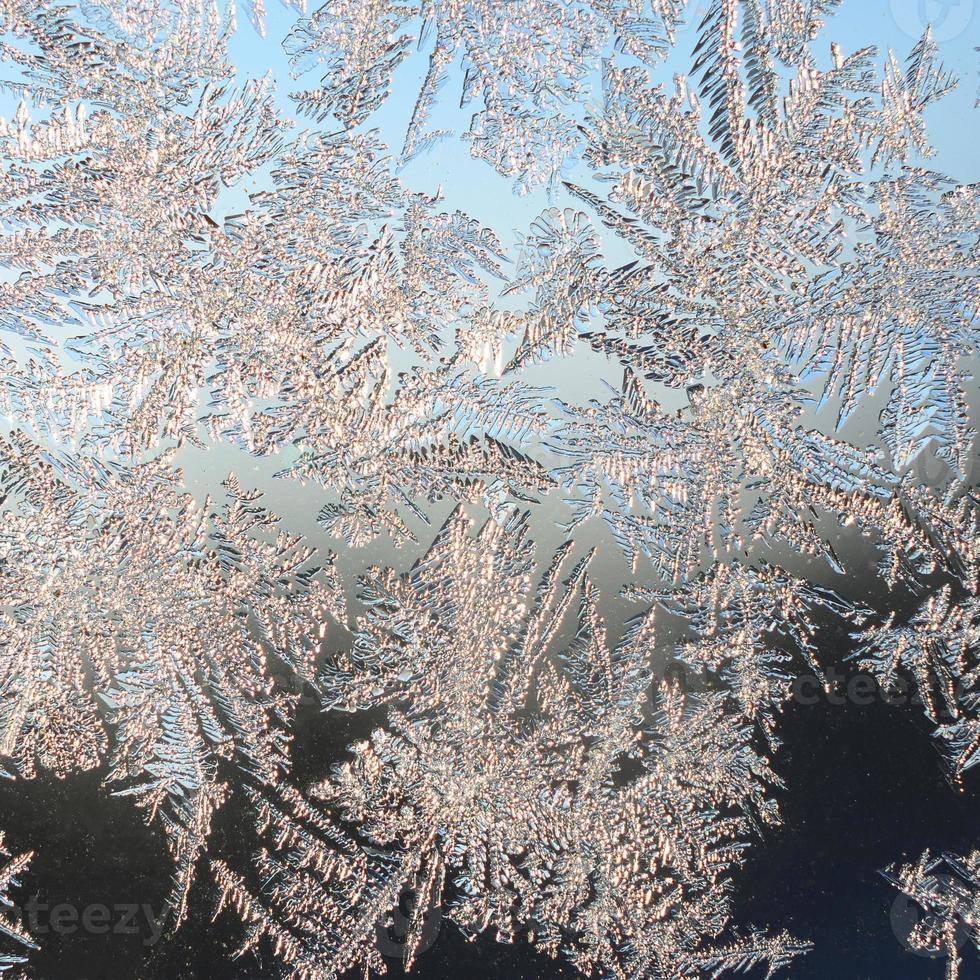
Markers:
524,64
947,890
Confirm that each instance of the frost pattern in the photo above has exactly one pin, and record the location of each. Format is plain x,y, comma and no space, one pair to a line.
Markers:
534,784
754,630
175,609
748,309
277,328
938,650
9,926
185,272
527,64
950,903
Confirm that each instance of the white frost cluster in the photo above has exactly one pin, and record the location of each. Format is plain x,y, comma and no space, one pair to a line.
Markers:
788,347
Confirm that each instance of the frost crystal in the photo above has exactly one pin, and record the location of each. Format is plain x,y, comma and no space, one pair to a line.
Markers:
938,649
9,926
527,64
780,265
753,629
530,781
737,349
175,610
950,903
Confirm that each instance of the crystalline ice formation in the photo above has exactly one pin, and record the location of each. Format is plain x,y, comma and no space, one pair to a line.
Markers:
947,889
9,925
764,259
526,63
105,207
783,262
938,650
753,628
285,316
176,611
352,271
530,781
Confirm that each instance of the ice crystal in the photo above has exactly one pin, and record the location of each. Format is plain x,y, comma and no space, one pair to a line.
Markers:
9,926
276,326
175,609
105,207
950,902
781,264
936,651
788,295
929,641
753,629
353,273
526,63
532,781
